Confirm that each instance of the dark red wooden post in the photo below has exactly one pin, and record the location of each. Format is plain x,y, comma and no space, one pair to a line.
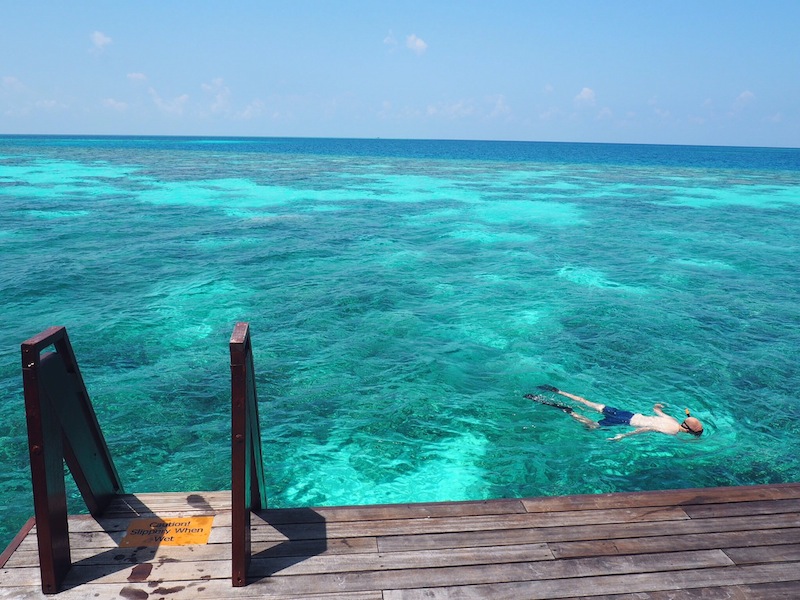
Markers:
47,468
247,469
61,425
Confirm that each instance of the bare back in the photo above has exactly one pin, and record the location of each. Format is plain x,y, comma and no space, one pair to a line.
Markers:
663,423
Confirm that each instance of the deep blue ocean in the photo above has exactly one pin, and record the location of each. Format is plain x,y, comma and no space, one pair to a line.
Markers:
403,296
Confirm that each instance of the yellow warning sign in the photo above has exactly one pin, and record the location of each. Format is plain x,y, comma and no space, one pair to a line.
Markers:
178,531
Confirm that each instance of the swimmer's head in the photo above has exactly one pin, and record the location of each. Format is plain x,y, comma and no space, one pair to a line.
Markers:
692,425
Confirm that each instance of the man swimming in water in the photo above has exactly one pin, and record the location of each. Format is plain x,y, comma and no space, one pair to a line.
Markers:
660,422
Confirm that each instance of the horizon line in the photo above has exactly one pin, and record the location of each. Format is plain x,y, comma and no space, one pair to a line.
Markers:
379,138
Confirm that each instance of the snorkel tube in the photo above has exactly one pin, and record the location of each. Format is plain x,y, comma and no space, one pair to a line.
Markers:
696,433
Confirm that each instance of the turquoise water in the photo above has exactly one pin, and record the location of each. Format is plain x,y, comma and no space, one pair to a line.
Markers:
403,296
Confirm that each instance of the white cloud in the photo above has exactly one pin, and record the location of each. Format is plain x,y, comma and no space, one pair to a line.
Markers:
221,94
586,97
416,44
500,108
174,106
100,40
741,102
662,113
454,110
137,77
12,84
743,99
605,113
251,111
550,114
390,40
115,104
49,105
22,111
390,111
548,88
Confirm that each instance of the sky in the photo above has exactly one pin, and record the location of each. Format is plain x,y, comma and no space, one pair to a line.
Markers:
707,72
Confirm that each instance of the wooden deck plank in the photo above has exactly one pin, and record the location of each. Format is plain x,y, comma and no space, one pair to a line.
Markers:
18,539
692,496
584,533
672,543
344,563
383,512
735,509
781,590
588,587
90,556
719,543
207,590
144,504
468,523
764,554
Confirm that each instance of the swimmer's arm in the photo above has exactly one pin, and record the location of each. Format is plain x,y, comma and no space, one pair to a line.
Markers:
635,432
657,409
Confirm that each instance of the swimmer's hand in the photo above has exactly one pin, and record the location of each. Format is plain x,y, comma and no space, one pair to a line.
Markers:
617,437
548,388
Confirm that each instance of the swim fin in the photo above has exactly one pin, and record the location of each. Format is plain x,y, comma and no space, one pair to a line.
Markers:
548,388
546,402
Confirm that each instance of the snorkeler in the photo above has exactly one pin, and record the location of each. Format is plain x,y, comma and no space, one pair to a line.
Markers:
661,422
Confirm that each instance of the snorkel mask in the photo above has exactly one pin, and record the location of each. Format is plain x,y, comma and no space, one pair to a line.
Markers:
685,426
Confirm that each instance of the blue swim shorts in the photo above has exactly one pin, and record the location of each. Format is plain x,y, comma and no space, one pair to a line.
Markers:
615,416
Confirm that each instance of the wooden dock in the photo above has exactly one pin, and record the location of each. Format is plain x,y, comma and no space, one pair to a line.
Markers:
739,542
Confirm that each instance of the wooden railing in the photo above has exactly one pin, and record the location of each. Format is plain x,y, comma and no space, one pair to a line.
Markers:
248,491
62,425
